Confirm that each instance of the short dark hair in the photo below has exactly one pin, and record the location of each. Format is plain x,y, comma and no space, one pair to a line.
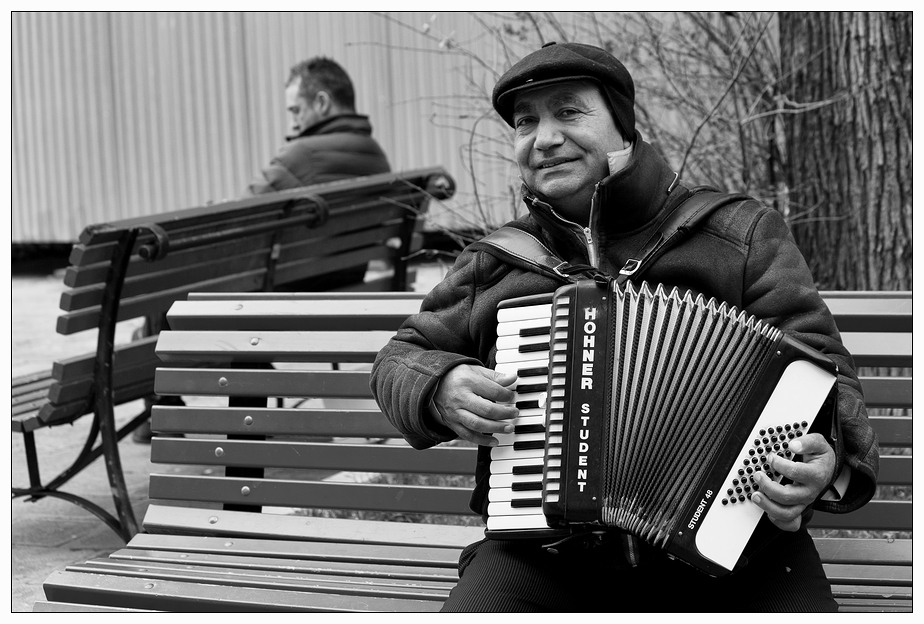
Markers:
323,74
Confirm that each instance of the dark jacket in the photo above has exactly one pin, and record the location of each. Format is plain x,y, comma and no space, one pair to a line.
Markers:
744,254
336,148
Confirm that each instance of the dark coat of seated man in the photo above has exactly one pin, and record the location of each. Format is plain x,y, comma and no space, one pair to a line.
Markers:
328,141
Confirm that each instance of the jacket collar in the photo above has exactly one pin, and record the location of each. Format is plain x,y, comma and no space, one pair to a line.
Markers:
349,122
626,201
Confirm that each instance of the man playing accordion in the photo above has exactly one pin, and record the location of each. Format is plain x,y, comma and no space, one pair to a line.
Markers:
596,191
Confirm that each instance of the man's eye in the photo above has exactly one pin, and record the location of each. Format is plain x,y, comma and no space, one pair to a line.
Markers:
569,112
522,122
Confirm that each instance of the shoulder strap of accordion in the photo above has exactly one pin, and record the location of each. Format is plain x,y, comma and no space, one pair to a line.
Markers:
676,226
521,248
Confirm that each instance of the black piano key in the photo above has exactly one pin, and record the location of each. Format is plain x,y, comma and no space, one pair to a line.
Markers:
520,503
520,429
525,388
533,348
539,371
530,469
535,331
527,404
526,486
529,445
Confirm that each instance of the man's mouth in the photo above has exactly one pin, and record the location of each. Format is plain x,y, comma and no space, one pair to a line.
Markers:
553,162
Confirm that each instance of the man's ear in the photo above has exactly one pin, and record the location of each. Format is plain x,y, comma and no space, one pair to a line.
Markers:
322,103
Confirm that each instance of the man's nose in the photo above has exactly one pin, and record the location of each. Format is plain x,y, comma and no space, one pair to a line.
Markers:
548,135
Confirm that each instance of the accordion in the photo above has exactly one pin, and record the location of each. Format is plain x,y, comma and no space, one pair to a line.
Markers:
647,412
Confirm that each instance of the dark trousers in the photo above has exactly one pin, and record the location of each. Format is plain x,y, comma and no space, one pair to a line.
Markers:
519,575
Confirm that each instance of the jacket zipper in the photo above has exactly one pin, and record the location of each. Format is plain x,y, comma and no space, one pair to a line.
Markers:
592,254
586,233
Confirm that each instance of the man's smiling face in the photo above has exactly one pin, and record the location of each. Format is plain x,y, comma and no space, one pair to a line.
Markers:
563,133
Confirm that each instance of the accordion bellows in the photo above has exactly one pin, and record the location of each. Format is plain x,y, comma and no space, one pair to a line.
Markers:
646,411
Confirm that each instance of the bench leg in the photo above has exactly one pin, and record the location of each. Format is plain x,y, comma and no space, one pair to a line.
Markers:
88,454
35,479
105,412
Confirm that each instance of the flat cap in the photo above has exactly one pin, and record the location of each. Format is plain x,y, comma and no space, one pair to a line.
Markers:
559,62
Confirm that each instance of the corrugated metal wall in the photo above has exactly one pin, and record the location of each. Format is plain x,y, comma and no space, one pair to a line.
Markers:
120,115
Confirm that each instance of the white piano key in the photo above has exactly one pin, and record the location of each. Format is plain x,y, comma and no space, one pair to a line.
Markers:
515,342
506,466
519,522
506,480
505,356
528,419
507,452
513,328
504,508
507,439
507,315
506,495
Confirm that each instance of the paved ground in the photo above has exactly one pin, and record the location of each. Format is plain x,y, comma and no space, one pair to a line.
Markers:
51,534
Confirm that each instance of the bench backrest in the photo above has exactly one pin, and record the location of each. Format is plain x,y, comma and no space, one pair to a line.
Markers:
254,244
249,245
229,338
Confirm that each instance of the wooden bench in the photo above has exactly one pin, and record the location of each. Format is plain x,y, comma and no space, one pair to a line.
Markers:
228,530
139,267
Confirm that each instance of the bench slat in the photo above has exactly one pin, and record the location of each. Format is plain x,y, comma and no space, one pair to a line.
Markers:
892,392
271,346
895,470
869,551
873,593
310,455
279,576
894,431
114,590
371,561
289,314
389,560
878,311
872,349
30,383
290,533
30,401
279,383
50,606
882,515
341,423
289,493
869,575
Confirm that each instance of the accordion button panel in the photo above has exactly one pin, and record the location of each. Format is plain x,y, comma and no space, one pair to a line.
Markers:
726,528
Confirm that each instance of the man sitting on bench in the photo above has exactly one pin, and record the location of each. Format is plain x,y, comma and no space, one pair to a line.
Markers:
328,141
596,192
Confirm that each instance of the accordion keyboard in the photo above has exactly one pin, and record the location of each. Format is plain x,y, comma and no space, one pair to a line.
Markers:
525,338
